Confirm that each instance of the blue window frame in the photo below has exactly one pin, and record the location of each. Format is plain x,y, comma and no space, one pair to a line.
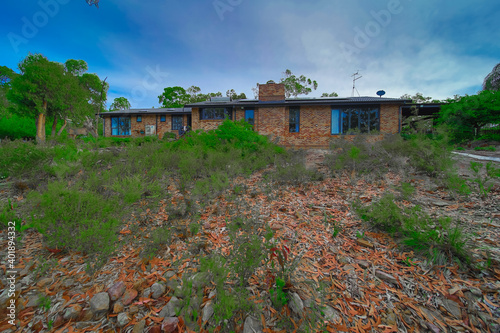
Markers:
215,113
250,117
355,120
139,119
163,118
120,125
177,122
294,120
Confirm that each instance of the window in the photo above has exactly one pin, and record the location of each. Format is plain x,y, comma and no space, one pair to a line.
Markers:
294,120
350,120
177,122
250,117
215,113
120,125
139,119
163,118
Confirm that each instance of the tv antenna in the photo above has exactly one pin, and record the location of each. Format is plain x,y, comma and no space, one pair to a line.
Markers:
355,77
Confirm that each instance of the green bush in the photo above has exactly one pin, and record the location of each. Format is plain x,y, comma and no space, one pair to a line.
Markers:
416,228
76,220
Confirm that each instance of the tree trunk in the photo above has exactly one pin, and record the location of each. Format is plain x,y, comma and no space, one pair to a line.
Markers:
40,128
54,125
62,128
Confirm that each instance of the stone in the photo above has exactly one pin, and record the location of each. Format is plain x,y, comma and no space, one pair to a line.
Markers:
331,314
118,307
122,319
200,280
390,319
169,325
168,274
87,315
171,309
157,290
252,325
139,284
207,312
117,290
67,283
27,280
72,312
99,304
59,321
133,309
128,296
178,292
146,293
296,304
155,329
139,327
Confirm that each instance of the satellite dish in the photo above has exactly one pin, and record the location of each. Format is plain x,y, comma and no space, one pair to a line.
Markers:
380,93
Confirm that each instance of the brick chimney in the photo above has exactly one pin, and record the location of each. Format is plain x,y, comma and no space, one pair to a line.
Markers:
271,91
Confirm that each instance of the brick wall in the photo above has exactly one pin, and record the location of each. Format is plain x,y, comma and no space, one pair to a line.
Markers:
271,92
315,124
150,119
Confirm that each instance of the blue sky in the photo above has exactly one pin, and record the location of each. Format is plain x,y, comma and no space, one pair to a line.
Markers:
438,48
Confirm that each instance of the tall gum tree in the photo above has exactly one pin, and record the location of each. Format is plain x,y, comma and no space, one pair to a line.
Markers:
37,86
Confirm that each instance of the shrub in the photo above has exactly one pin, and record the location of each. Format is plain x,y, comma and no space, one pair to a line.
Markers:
416,228
77,220
291,169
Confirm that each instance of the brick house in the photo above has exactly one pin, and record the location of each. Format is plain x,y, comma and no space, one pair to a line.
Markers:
141,122
303,122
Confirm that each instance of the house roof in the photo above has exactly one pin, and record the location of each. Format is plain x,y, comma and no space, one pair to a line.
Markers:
173,111
301,101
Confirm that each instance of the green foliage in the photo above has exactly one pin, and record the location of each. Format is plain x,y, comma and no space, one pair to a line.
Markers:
8,214
291,169
120,103
482,178
295,86
77,220
279,297
44,303
434,237
489,148
467,115
173,97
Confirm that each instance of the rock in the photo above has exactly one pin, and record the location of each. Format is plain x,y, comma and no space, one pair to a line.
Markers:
169,325
476,292
133,309
331,314
67,283
155,329
296,304
440,203
171,309
252,325
168,274
27,280
343,260
213,293
59,321
363,264
5,298
72,312
139,327
200,280
349,269
433,328
87,315
122,319
128,296
157,289
99,304
178,292
208,311
386,277
116,291
146,293
118,307
308,303
195,302
390,319
139,284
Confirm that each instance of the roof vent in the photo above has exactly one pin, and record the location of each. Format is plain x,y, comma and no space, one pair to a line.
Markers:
220,99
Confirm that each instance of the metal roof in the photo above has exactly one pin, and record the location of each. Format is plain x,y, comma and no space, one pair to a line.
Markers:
184,110
303,101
